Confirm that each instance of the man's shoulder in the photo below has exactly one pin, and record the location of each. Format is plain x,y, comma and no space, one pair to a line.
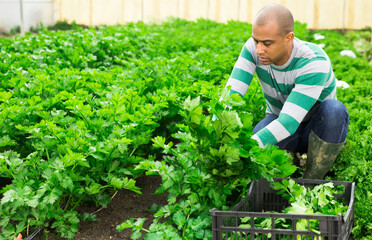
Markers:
251,48
249,44
300,42
308,50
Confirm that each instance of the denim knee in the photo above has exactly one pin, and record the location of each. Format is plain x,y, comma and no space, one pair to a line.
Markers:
331,121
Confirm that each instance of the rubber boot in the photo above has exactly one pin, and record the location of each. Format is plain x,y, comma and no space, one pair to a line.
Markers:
320,157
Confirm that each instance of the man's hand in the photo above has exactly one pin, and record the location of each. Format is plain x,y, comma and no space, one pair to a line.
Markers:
19,237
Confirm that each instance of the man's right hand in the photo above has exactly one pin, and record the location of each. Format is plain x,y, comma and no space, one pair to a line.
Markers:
19,237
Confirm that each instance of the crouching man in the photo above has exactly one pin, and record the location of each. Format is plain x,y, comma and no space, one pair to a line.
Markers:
303,115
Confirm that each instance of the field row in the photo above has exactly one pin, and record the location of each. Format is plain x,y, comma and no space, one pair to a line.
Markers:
85,112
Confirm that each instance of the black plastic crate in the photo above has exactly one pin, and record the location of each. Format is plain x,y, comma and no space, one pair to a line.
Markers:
262,198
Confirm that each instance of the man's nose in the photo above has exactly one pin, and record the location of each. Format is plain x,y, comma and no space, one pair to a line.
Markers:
259,48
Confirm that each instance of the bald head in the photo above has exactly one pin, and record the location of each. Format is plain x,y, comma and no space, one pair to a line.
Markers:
277,14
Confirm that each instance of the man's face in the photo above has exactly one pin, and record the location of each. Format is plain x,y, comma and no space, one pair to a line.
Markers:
272,47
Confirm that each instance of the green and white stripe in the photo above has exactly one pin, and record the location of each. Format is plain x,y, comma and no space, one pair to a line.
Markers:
290,90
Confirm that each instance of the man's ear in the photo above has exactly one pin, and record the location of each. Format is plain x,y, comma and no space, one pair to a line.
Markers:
289,38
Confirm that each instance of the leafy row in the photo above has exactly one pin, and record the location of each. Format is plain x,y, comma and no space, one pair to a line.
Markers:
79,109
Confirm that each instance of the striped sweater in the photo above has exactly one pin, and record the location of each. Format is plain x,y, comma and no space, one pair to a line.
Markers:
290,90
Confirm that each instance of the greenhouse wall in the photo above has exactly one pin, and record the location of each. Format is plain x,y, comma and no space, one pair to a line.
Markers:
318,14
34,13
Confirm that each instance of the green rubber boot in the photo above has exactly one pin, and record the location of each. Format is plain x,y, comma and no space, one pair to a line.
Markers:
320,157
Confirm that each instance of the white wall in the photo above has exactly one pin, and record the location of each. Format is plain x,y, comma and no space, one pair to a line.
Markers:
318,14
34,12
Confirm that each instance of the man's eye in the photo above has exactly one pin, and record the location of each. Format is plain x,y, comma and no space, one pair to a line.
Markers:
267,44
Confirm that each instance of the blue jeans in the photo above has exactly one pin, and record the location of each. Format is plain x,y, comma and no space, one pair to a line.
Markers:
329,120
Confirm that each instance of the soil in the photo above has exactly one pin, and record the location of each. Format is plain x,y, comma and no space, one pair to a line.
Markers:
125,205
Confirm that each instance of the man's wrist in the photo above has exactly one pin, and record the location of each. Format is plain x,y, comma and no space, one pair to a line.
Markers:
255,137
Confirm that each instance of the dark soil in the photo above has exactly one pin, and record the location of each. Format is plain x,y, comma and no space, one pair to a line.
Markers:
125,205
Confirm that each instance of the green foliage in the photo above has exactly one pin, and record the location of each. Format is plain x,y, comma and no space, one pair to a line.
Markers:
303,200
211,165
78,109
84,112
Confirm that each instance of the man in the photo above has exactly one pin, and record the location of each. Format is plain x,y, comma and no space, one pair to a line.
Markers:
299,86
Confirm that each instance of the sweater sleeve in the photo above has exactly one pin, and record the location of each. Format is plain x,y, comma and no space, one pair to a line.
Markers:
243,70
309,85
